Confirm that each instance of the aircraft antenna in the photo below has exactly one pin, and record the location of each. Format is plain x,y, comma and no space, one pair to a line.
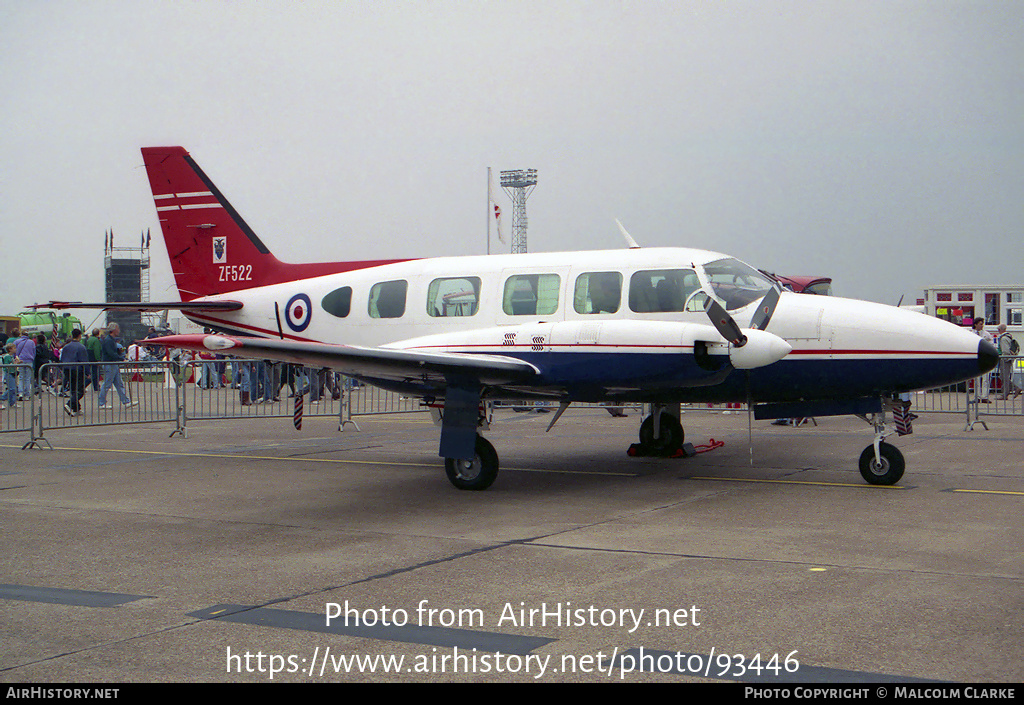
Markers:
518,185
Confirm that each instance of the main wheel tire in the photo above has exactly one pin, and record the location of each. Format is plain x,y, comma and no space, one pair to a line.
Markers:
476,474
889,471
670,437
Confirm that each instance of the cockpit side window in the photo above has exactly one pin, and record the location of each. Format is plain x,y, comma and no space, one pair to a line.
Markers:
698,301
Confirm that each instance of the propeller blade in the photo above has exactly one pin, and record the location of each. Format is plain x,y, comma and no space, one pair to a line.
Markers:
725,324
765,309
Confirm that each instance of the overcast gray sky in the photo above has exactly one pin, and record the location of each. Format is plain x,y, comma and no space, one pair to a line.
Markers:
881,143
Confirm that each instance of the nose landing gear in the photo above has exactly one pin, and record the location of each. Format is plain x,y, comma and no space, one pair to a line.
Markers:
881,463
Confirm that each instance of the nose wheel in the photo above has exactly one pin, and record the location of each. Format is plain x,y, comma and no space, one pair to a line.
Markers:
886,469
881,463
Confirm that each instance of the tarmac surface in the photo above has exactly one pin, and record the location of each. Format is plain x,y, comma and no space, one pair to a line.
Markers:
133,557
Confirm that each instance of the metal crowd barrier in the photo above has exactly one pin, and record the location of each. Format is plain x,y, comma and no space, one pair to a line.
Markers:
17,413
168,392
366,399
231,389
951,399
143,397
247,388
997,393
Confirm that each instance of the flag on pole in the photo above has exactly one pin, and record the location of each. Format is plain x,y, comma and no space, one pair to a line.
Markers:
494,206
147,238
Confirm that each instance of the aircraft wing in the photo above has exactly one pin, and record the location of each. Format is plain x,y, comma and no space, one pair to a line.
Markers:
410,366
146,305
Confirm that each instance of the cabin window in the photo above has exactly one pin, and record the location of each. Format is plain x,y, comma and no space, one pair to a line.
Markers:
338,302
531,294
661,290
598,292
387,299
453,297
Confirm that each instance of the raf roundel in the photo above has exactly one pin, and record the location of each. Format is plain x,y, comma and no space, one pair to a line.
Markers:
298,312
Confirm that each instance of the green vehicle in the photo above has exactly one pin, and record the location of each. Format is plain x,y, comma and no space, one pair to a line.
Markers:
34,322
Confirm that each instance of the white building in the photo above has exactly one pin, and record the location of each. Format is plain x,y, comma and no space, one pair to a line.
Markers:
961,304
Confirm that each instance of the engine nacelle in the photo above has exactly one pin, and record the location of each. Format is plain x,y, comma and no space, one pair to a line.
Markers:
762,348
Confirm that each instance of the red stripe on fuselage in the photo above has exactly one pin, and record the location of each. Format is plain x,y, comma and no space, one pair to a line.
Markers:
231,324
497,348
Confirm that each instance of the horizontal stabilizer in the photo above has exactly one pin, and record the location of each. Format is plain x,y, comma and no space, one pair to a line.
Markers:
146,305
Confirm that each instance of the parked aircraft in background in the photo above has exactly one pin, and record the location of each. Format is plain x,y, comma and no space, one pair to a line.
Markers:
654,325
806,285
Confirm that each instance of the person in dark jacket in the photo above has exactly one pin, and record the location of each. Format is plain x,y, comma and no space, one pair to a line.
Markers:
44,356
111,356
74,374
92,344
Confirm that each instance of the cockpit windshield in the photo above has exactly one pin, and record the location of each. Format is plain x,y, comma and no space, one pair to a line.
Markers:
736,284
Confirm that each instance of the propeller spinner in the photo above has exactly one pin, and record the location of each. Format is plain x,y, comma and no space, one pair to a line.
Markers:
765,347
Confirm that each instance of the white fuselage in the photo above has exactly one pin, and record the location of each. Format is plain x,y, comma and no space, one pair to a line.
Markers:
360,327
545,303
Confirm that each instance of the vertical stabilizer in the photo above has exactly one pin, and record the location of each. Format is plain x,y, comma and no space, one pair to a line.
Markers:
211,248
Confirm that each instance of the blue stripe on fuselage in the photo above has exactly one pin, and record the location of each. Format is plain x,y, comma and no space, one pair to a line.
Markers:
583,374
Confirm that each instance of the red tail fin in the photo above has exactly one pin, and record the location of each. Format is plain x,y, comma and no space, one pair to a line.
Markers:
212,250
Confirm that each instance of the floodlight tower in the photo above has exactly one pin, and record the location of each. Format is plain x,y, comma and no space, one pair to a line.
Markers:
519,184
127,274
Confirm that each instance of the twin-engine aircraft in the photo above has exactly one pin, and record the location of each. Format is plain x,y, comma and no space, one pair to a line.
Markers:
659,326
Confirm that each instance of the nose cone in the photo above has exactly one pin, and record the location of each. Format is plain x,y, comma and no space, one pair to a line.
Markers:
988,356
880,349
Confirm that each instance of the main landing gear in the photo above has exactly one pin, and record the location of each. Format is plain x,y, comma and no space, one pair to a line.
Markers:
881,463
661,433
478,473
